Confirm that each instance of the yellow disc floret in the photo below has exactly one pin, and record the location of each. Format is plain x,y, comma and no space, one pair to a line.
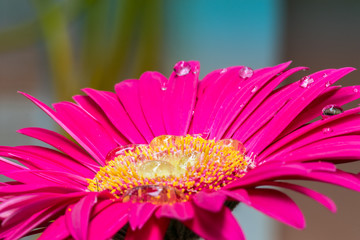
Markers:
186,163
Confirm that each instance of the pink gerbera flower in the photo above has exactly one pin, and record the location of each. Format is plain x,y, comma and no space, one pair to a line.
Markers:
163,155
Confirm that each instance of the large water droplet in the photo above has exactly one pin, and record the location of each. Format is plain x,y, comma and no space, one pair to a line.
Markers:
355,90
156,168
246,72
182,68
233,143
328,84
327,130
306,82
155,194
331,110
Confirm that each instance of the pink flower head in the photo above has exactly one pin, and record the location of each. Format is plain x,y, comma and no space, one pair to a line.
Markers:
179,151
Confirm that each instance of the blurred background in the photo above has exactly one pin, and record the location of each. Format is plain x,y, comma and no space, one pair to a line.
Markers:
53,48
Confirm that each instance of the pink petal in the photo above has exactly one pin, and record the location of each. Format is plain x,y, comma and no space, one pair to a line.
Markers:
63,144
253,90
288,113
179,101
68,127
108,222
180,211
151,100
56,231
101,141
127,92
212,202
116,113
215,225
154,229
337,95
140,213
322,199
78,218
90,106
277,205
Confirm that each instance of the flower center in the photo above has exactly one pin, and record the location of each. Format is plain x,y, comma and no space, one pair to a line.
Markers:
170,167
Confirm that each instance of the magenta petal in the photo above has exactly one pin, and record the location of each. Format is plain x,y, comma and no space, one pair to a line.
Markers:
179,100
108,222
77,217
69,127
56,231
154,229
140,213
101,141
295,106
128,93
215,225
254,89
181,211
116,113
277,205
61,143
151,99
97,113
255,108
213,201
322,199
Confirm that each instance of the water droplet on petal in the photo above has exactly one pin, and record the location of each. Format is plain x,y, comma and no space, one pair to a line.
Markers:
233,143
325,75
164,85
121,151
356,90
254,89
224,70
327,84
246,72
182,68
331,110
327,130
155,194
306,82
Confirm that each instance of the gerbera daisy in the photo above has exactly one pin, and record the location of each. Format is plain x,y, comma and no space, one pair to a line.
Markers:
163,157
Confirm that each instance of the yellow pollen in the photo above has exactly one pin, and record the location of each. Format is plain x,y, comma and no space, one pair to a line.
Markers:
188,164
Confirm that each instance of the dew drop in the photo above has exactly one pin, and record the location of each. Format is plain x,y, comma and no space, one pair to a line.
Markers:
224,70
254,89
155,194
120,151
306,82
327,84
233,143
164,85
327,130
356,90
182,68
246,72
325,75
331,110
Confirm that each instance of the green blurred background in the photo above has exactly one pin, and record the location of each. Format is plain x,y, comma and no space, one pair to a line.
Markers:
53,48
